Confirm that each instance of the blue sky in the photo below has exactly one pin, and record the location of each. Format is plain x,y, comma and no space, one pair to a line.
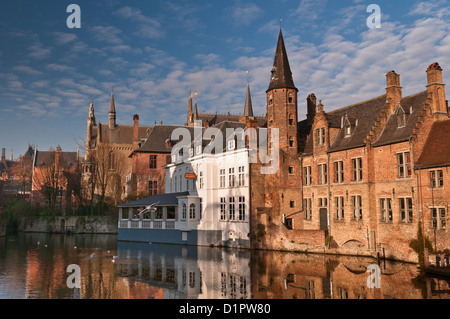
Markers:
153,52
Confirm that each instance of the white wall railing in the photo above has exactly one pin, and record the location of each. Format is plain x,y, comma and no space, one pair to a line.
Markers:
146,224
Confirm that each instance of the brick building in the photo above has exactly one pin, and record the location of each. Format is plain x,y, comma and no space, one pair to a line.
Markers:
433,170
108,147
358,168
54,171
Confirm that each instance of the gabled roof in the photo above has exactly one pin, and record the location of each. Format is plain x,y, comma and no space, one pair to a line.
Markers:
158,137
392,133
363,115
214,119
436,151
121,134
43,158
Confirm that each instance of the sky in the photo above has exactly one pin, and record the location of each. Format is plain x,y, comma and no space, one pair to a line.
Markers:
152,53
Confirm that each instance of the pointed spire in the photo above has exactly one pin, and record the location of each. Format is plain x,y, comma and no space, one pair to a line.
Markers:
281,71
248,109
112,111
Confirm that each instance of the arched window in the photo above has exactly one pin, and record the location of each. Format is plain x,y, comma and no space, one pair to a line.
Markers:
192,211
184,211
291,119
290,98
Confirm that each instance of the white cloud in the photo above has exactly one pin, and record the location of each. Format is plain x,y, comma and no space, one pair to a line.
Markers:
245,13
148,28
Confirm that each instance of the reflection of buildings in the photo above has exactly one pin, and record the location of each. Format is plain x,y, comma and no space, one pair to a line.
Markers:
186,272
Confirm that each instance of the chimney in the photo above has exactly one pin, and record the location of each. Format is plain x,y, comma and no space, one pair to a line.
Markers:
320,107
135,132
11,157
393,90
311,102
435,87
3,154
58,157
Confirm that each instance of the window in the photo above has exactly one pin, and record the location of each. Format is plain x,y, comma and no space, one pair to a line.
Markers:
307,175
153,161
307,208
223,208
59,191
404,165
231,145
200,181
200,208
339,172
436,179
323,202
152,188
323,174
111,161
386,210
192,211
357,169
339,203
241,176
184,211
231,209
320,136
406,210
438,218
357,207
241,208
348,130
222,178
291,170
171,212
291,119
292,204
231,177
291,142
175,184
290,98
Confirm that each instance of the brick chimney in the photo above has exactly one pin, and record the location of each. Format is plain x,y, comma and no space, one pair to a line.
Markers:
3,154
435,87
58,157
311,102
135,132
393,90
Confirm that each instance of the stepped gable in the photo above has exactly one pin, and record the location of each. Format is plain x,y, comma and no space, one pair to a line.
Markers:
412,106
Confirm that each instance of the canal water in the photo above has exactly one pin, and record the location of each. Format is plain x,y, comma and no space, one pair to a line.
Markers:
36,266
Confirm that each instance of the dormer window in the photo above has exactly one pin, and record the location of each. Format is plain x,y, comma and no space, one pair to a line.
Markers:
401,117
320,136
347,127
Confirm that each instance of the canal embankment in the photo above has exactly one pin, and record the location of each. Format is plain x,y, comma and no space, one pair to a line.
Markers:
69,224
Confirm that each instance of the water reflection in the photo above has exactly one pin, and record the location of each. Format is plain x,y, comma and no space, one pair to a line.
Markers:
34,266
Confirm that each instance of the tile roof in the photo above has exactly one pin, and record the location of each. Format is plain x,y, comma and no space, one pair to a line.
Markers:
362,116
121,134
158,137
392,133
436,151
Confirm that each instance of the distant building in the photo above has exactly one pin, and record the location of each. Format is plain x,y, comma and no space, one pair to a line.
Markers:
108,147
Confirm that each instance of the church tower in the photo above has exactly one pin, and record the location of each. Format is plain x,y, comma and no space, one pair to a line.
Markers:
282,100
112,112
91,123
